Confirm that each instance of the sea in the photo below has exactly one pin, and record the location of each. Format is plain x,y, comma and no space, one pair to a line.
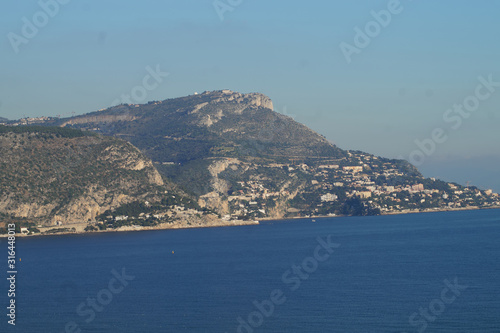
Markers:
429,272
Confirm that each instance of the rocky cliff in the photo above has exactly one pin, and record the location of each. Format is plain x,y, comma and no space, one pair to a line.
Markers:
49,177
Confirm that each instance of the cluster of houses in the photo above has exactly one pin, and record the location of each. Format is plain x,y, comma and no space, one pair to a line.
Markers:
29,121
365,176
178,212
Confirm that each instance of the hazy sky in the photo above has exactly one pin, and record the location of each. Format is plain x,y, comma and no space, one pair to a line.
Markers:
369,75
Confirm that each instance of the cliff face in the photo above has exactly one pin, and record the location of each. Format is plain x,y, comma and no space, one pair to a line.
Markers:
46,178
98,119
252,99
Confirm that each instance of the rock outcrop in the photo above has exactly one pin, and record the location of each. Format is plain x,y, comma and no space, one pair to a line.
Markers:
48,178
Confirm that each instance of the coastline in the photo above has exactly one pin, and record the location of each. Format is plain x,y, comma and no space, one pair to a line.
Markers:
162,226
403,212
221,223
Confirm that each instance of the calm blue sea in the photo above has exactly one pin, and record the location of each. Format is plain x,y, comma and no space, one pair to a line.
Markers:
435,272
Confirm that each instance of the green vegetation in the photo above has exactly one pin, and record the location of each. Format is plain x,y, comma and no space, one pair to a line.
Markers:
356,207
70,168
91,228
59,132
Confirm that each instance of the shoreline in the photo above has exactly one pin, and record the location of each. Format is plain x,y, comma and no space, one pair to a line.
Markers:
221,224
135,228
404,212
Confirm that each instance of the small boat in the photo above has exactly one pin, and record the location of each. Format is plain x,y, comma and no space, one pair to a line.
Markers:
313,220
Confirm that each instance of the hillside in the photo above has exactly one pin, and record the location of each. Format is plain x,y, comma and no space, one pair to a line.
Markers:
211,124
59,176
183,136
240,158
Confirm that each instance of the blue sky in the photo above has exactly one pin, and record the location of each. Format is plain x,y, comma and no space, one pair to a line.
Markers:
394,91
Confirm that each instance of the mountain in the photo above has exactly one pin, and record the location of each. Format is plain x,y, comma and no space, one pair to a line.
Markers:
211,124
53,176
240,158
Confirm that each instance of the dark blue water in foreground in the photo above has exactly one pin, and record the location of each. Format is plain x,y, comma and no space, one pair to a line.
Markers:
386,269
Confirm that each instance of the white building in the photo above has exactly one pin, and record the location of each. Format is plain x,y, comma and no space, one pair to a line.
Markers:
354,169
328,197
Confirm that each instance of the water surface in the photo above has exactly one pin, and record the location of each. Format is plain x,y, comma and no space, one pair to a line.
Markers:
202,280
